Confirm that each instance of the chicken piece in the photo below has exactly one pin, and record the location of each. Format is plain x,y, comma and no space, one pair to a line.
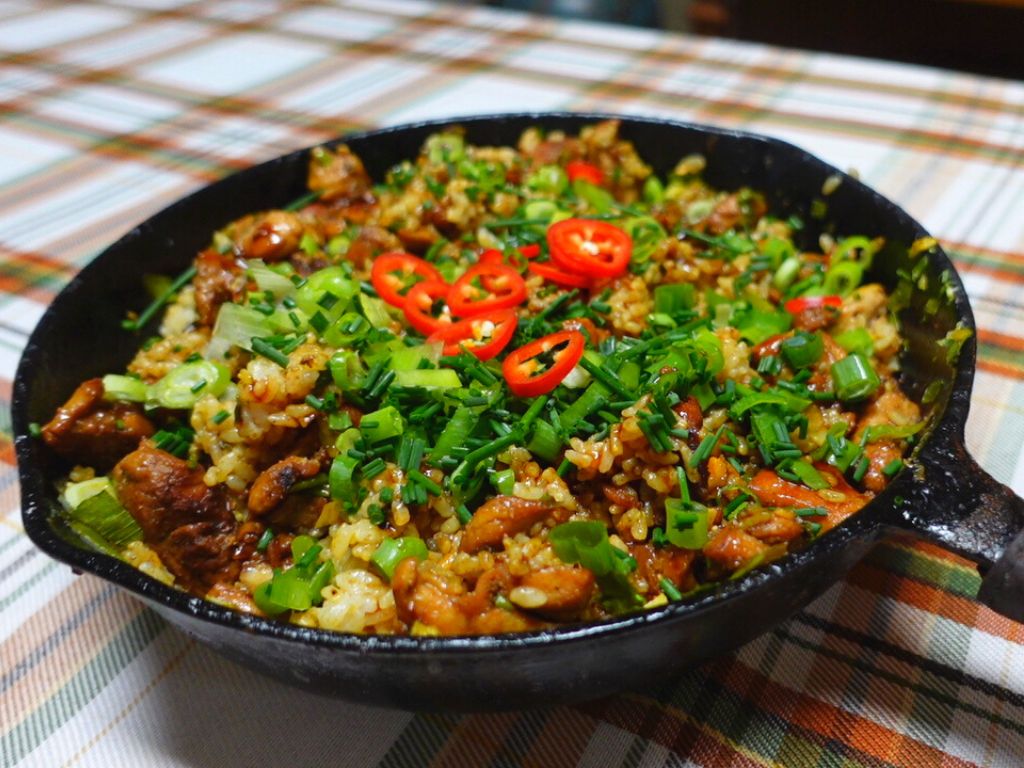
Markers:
672,563
89,430
162,492
821,379
426,594
725,216
840,500
500,517
271,236
720,473
200,555
815,317
868,307
218,279
782,525
730,547
894,408
622,495
692,416
370,243
271,487
567,591
186,522
338,175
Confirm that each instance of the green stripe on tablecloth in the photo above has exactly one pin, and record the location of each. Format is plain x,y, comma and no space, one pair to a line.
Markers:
420,741
701,702
935,679
947,575
64,704
1008,358
23,588
18,273
1010,263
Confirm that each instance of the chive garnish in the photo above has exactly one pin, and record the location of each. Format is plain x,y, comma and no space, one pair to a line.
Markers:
301,202
263,348
670,590
147,314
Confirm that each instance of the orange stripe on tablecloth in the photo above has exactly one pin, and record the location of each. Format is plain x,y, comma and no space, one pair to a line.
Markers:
934,600
164,671
1001,369
676,730
1003,274
984,250
561,740
1004,340
7,454
831,722
71,651
476,740
935,551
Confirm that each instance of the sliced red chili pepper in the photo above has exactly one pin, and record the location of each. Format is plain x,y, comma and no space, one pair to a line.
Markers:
419,306
394,273
581,169
483,335
795,306
513,259
531,251
557,276
500,287
528,375
590,247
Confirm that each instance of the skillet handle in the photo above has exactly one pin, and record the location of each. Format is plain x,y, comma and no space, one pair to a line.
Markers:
960,506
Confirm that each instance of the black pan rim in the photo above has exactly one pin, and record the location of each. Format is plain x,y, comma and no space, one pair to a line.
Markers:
864,525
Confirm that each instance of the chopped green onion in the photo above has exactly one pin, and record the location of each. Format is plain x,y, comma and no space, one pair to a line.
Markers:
854,378
504,481
428,378
891,432
802,349
180,388
686,524
382,425
341,478
391,552
674,297
842,278
545,442
601,374
856,340
458,429
808,475
96,507
124,388
892,467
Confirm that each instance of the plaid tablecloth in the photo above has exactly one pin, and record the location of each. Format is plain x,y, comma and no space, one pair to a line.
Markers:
111,110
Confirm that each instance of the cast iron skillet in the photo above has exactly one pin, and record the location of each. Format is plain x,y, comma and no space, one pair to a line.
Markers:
942,495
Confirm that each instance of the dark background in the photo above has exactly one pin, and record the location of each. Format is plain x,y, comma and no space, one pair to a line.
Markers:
981,36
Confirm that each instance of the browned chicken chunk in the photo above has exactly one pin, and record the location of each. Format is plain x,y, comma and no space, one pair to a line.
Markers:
89,430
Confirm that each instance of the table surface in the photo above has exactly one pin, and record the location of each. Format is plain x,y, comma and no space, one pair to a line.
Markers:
111,110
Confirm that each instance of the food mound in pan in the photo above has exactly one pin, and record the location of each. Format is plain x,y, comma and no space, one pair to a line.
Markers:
497,390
